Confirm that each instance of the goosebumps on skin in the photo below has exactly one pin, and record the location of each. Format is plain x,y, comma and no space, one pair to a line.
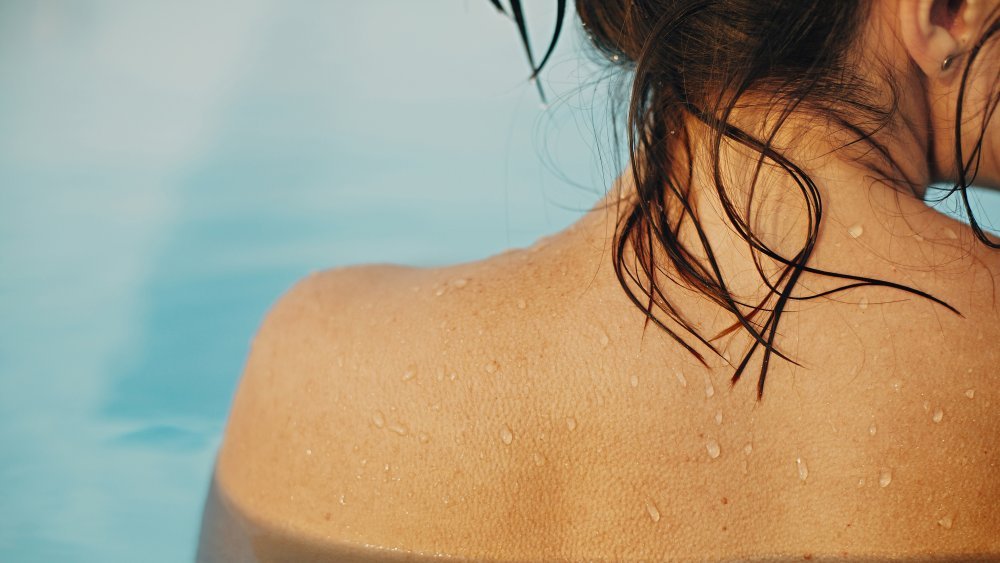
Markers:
601,394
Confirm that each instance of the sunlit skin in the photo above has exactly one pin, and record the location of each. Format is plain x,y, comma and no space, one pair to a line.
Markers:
519,408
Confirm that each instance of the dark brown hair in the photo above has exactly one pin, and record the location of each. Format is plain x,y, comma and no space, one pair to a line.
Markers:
694,61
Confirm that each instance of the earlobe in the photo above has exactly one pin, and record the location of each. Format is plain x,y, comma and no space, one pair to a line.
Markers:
929,29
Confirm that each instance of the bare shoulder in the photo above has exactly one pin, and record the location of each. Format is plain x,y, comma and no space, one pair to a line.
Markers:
353,421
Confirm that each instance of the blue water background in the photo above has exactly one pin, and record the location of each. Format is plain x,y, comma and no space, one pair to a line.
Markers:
167,169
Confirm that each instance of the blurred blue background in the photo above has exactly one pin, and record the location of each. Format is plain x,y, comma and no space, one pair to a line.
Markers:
168,169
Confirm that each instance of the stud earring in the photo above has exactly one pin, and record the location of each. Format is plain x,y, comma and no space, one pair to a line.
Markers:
947,62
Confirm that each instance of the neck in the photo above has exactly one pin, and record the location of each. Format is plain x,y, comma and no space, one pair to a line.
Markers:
859,215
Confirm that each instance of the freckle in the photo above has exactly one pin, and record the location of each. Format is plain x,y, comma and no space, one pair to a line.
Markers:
725,500
856,231
327,516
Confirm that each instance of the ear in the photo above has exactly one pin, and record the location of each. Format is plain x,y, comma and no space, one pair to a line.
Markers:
933,30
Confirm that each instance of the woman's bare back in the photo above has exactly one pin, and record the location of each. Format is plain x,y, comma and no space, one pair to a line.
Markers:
518,408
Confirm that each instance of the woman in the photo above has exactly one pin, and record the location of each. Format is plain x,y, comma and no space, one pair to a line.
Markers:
761,344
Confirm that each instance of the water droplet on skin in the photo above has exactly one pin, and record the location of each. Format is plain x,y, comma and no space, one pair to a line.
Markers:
927,406
506,436
884,478
423,437
948,233
861,482
460,283
491,367
803,469
634,380
863,303
970,393
570,423
522,304
538,458
872,429
409,374
718,417
748,449
681,379
605,340
856,231
309,452
439,292
399,428
453,376
378,419
918,237
440,374
938,415
709,388
342,500
946,521
712,447
651,509
897,385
